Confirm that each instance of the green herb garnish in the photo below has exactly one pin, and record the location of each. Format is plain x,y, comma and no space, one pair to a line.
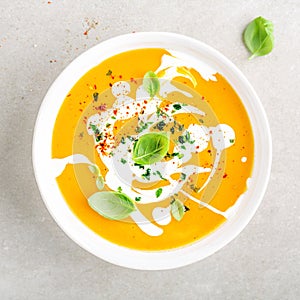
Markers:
100,182
150,148
160,125
142,126
177,209
177,106
160,176
98,135
231,141
258,37
94,169
147,174
123,140
151,83
179,155
95,96
123,161
140,166
182,176
112,205
138,199
158,192
109,72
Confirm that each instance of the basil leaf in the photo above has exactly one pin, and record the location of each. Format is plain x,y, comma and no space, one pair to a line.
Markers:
112,205
258,37
151,83
158,192
150,148
100,182
177,209
94,169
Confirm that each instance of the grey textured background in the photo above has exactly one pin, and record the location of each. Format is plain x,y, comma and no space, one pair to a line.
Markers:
37,260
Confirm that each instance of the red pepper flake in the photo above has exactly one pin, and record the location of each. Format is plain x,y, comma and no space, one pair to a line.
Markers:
115,111
95,87
197,147
68,95
110,84
120,76
49,2
145,101
209,151
81,110
225,175
112,77
133,80
89,25
127,107
202,98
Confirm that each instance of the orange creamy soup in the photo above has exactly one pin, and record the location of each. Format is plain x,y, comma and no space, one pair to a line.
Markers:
154,160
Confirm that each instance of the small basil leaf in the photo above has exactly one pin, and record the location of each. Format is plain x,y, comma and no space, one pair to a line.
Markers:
151,83
94,169
112,205
150,148
258,37
177,209
100,182
158,192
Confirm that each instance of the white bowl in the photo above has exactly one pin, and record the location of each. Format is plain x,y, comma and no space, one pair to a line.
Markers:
85,237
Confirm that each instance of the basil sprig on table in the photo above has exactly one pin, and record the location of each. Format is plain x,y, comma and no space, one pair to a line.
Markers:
258,37
150,148
112,205
151,83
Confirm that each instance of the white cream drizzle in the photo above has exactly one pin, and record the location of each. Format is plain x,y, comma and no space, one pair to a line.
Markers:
162,215
120,175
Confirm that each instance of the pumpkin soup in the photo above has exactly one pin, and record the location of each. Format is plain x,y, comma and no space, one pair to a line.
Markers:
153,149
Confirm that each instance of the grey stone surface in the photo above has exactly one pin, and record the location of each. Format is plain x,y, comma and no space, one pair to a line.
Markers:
37,260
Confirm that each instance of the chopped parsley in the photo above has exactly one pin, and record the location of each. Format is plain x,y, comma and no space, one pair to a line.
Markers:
160,176
177,106
182,176
95,96
147,174
138,165
109,72
179,155
138,199
160,125
123,140
119,189
231,141
123,161
97,133
143,126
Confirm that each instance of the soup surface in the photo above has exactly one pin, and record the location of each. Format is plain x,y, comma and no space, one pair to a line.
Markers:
152,160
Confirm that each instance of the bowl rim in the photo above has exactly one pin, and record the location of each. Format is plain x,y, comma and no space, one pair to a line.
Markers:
85,237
